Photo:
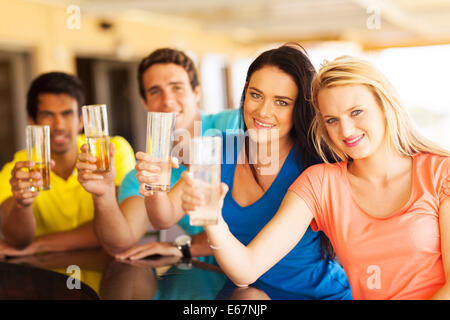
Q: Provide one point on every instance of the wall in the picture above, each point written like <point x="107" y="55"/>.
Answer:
<point x="42" y="29"/>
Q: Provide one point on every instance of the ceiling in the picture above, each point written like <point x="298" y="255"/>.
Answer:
<point x="373" y="24"/>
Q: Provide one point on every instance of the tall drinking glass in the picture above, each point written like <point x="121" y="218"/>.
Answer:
<point x="95" y="120"/>
<point x="206" y="159"/>
<point x="38" y="151"/>
<point x="160" y="127"/>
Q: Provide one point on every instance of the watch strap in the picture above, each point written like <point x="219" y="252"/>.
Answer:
<point x="186" y="251"/>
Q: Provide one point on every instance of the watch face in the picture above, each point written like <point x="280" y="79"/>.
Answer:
<point x="183" y="240"/>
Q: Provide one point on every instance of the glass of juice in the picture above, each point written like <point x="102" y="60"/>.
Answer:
<point x="95" y="118"/>
<point x="38" y="151"/>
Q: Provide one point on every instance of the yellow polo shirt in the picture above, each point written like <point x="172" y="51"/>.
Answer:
<point x="66" y="205"/>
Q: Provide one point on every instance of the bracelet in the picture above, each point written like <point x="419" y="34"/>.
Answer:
<point x="213" y="247"/>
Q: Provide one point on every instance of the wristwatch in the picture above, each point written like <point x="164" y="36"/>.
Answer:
<point x="183" y="243"/>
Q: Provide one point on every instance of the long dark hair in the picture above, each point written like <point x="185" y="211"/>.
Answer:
<point x="292" y="59"/>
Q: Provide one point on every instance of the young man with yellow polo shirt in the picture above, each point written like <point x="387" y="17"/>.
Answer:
<point x="61" y="218"/>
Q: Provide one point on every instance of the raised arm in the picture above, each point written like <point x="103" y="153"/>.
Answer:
<point x="16" y="213"/>
<point x="244" y="265"/>
<point x="117" y="228"/>
<point x="18" y="223"/>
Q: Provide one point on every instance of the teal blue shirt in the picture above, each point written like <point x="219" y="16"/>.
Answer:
<point x="226" y="120"/>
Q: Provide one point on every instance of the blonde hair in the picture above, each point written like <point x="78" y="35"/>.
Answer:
<point x="400" y="130"/>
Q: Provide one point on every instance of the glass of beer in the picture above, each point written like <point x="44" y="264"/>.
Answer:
<point x="95" y="120"/>
<point x="160" y="127"/>
<point x="38" y="151"/>
<point x="206" y="160"/>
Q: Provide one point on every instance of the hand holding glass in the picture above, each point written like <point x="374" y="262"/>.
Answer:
<point x="38" y="151"/>
<point x="206" y="159"/>
<point x="95" y="120"/>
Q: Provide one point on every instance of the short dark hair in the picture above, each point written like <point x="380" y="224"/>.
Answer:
<point x="167" y="55"/>
<point x="56" y="83"/>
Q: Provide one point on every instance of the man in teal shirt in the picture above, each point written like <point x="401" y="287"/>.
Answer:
<point x="168" y="82"/>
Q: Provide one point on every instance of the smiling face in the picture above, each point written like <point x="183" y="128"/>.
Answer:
<point x="60" y="112"/>
<point x="168" y="89"/>
<point x="269" y="104"/>
<point x="353" y="119"/>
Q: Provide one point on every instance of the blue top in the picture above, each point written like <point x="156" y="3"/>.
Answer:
<point x="301" y="273"/>
<point x="226" y="120"/>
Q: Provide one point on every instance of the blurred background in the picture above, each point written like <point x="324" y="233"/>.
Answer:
<point x="102" y="41"/>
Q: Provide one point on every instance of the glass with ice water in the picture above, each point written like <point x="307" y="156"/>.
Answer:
<point x="95" y="120"/>
<point x="160" y="127"/>
<point x="38" y="151"/>
<point x="206" y="160"/>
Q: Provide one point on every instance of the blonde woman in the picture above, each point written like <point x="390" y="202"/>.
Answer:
<point x="382" y="205"/>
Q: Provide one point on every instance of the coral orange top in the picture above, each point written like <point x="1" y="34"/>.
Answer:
<point x="398" y="257"/>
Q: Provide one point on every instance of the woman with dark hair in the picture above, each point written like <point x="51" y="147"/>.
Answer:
<point x="277" y="113"/>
